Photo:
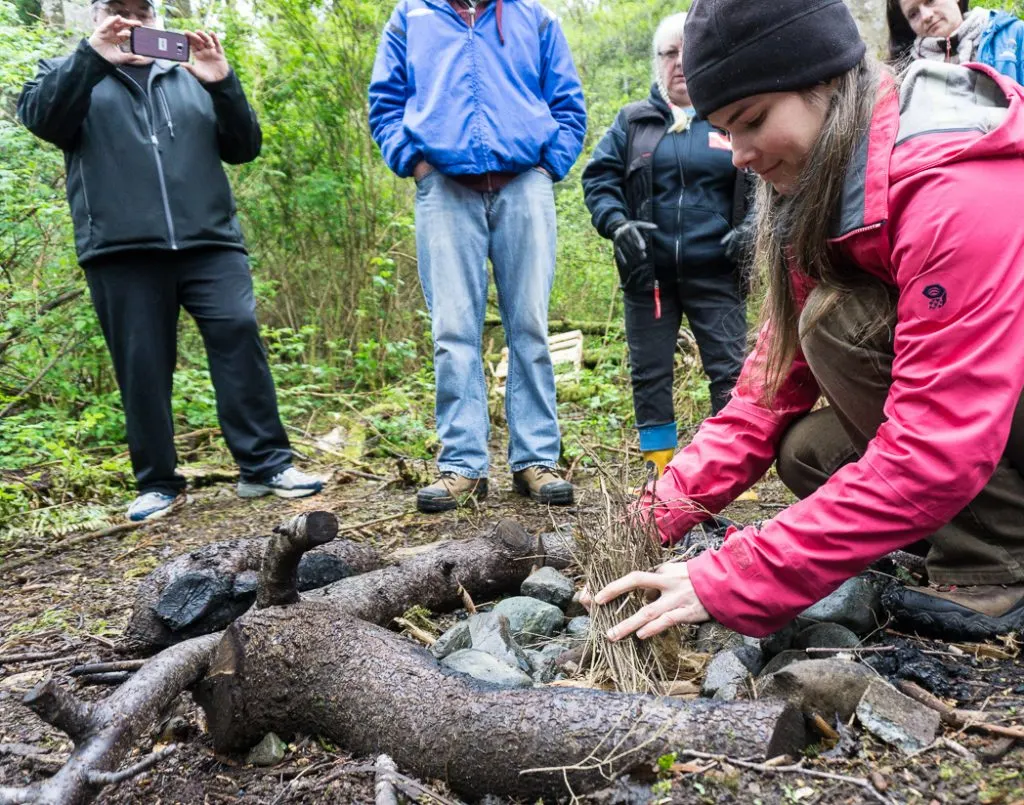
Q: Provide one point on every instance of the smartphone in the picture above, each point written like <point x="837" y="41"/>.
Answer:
<point x="158" y="44"/>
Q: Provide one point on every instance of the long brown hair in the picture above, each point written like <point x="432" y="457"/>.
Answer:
<point x="793" y="230"/>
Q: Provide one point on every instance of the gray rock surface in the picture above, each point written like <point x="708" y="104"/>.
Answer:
<point x="725" y="674"/>
<point x="454" y="639"/>
<point x="544" y="666"/>
<point x="712" y="638"/>
<point x="751" y="656"/>
<point x="782" y="659"/>
<point x="548" y="585"/>
<point x="489" y="632"/>
<point x="578" y="628"/>
<point x="483" y="666"/>
<point x="826" y="687"/>
<point x="530" y="620"/>
<point x="895" y="718"/>
<point x="268" y="752"/>
<point x="826" y="635"/>
<point x="855" y="605"/>
<point x="779" y="641"/>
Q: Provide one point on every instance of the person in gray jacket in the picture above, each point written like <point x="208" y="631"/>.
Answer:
<point x="156" y="230"/>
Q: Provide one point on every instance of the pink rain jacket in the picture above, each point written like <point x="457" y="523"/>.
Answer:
<point x="933" y="204"/>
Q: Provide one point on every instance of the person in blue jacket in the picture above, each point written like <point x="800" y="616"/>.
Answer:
<point x="662" y="186"/>
<point x="944" y="30"/>
<point x="479" y="101"/>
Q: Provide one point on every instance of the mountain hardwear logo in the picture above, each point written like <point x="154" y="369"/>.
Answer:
<point x="936" y="296"/>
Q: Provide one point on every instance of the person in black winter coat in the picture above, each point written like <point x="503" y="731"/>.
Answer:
<point x="662" y="186"/>
<point x="156" y="230"/>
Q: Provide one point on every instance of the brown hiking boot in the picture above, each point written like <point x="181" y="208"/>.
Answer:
<point x="450" y="491"/>
<point x="544" y="485"/>
<point x="958" y="613"/>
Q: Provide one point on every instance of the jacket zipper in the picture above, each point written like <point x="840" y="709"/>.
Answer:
<point x="150" y="117"/>
<point x="167" y="110"/>
<point x="679" y="206"/>
<point x="85" y="193"/>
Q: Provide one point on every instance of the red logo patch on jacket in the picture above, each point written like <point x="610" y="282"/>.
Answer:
<point x="718" y="140"/>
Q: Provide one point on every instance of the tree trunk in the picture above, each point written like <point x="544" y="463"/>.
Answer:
<point x="318" y="667"/>
<point x="870" y="16"/>
<point x="310" y="668"/>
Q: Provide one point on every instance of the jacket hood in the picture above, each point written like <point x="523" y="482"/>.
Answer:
<point x="940" y="114"/>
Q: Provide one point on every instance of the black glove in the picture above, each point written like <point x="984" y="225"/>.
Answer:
<point x="630" y="243"/>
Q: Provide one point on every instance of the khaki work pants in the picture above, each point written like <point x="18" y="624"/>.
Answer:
<point x="852" y="362"/>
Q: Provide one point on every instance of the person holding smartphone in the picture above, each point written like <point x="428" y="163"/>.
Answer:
<point x="156" y="230"/>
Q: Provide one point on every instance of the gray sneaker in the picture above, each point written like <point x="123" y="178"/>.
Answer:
<point x="289" y="483"/>
<point x="151" y="505"/>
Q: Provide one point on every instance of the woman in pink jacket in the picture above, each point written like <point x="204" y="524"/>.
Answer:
<point x="890" y="233"/>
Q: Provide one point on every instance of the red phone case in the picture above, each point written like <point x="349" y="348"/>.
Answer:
<point x="158" y="44"/>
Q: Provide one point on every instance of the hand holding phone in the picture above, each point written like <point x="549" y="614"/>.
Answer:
<point x="159" y="44"/>
<point x="209" y="63"/>
<point x="109" y="38"/>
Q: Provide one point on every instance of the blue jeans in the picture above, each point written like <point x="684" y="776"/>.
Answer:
<point x="457" y="230"/>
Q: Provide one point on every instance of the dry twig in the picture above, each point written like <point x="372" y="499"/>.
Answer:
<point x="144" y="765"/>
<point x="425" y="637"/>
<point x="795" y="768"/>
<point x="952" y="716"/>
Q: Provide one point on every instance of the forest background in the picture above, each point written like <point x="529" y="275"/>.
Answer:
<point x="330" y="233"/>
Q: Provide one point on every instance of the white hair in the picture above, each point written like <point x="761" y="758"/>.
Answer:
<point x="669" y="29"/>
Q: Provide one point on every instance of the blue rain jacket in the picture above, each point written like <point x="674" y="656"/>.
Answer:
<point x="1002" y="45"/>
<point x="470" y="101"/>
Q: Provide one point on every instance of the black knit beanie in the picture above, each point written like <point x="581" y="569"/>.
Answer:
<point x="738" y="48"/>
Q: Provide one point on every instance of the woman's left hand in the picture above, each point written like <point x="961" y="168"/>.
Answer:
<point x="677" y="603"/>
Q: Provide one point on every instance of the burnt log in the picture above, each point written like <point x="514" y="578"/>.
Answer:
<point x="205" y="590"/>
<point x="319" y="666"/>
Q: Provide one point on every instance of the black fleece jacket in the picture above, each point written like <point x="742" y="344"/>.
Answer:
<point x="143" y="168"/>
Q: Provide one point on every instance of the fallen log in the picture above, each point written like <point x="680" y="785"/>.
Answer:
<point x="319" y="666"/>
<point x="485" y="567"/>
<point x="203" y="591"/>
<point x="310" y="668"/>
<point x="105" y="732"/>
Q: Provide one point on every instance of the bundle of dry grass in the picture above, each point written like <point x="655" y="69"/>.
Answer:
<point x="618" y="546"/>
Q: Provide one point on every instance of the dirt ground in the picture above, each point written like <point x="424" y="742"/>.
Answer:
<point x="74" y="604"/>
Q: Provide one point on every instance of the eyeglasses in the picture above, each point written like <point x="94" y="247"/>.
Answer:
<point x="670" y="55"/>
<point x="143" y="13"/>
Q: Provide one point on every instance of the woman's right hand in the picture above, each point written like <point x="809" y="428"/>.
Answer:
<point x="676" y="601"/>
<point x="630" y="243"/>
<point x="108" y="38"/>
